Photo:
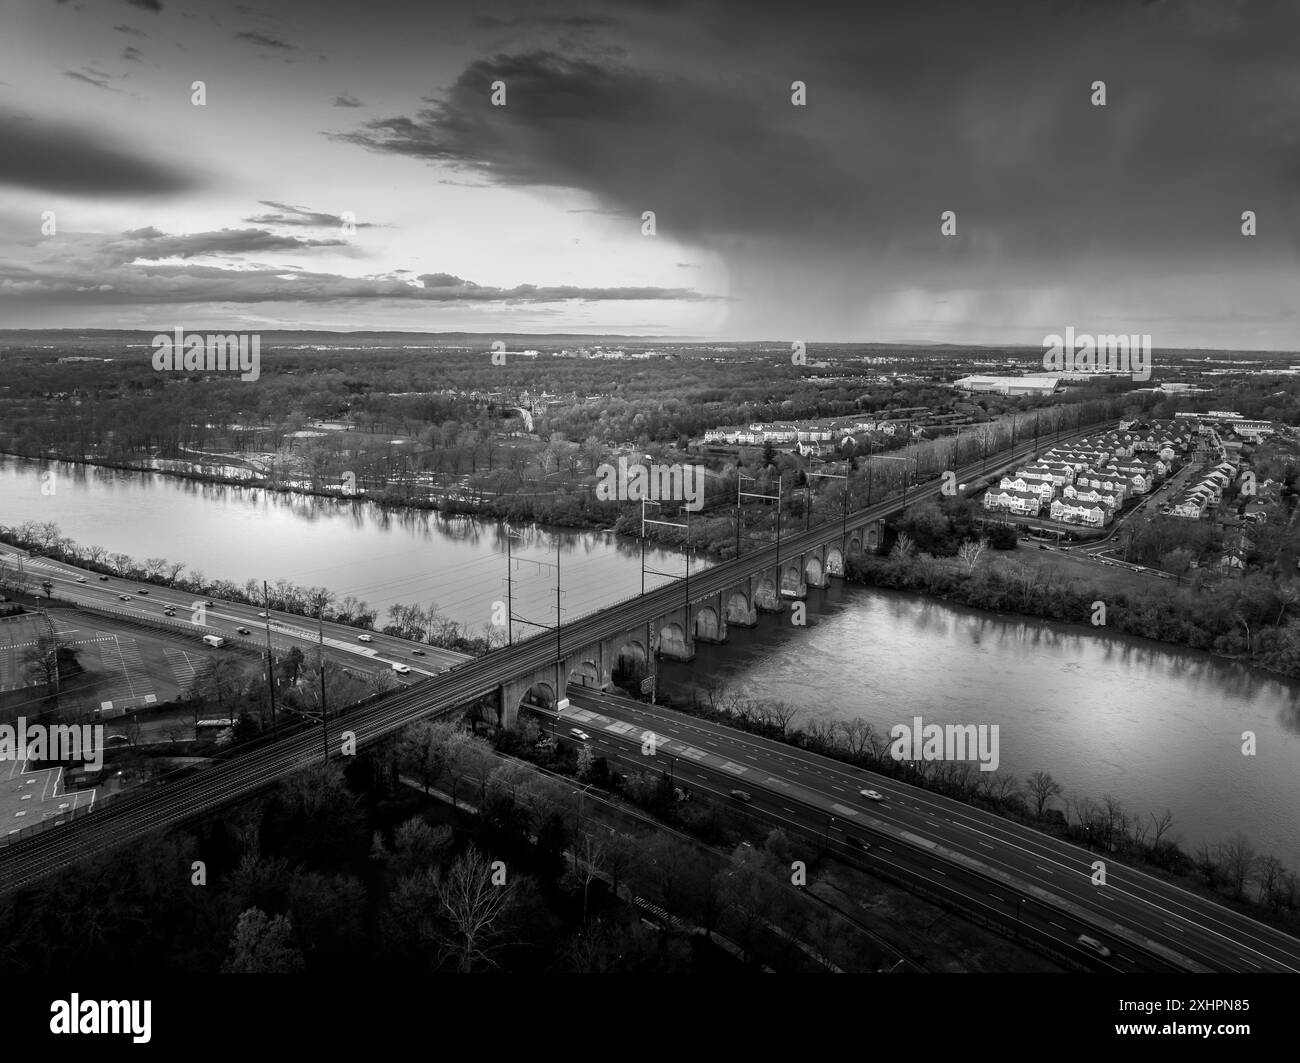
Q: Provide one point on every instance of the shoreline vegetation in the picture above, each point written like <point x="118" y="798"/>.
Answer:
<point x="1241" y="620"/>
<point x="1222" y="871"/>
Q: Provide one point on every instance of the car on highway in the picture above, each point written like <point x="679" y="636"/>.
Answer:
<point x="1092" y="943"/>
<point x="741" y="795"/>
<point x="169" y="611"/>
<point x="103" y="579"/>
<point x="242" y="631"/>
<point x="209" y="602"/>
<point x="123" y="597"/>
<point x="417" y="653"/>
<point x="871" y="795"/>
<point x="81" y="579"/>
<point x="141" y="590"/>
<point x="364" y="638"/>
<point x="857" y="843"/>
<point x="401" y="669"/>
<point x="579" y="734"/>
<point x="263" y="616"/>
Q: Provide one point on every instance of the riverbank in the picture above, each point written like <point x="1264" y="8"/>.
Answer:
<point x="1238" y="620"/>
<point x="1222" y="871"/>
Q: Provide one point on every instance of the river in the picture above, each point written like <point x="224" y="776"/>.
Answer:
<point x="1156" y="726"/>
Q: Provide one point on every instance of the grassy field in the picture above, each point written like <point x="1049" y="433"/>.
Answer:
<point x="1067" y="567"/>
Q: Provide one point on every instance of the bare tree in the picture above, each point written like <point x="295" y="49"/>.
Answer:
<point x="589" y="850"/>
<point x="1159" y="826"/>
<point x="1042" y="788"/>
<point x="1238" y="860"/>
<point x="858" y="734"/>
<point x="1270" y="874"/>
<point x="970" y="551"/>
<point x="474" y="900"/>
<point x="903" y="547"/>
<point x="780" y="714"/>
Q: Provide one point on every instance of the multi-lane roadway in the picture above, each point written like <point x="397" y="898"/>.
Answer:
<point x="991" y="866"/>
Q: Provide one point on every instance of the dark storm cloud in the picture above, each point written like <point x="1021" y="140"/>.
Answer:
<point x="131" y="54"/>
<point x="131" y="30"/>
<point x="912" y="110"/>
<point x="291" y="215"/>
<point x="150" y="243"/>
<point x="346" y="100"/>
<point x="68" y="160"/>
<point x="266" y="42"/>
<point x="146" y="5"/>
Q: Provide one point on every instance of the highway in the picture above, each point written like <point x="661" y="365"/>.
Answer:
<point x="984" y="861"/>
<point x="149" y="601"/>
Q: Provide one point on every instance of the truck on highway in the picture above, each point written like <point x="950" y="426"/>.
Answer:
<point x="215" y="641"/>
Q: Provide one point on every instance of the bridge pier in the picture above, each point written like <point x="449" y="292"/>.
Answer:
<point x="740" y="610"/>
<point x="675" y="640"/>
<point x="766" y="597"/>
<point x="710" y="620"/>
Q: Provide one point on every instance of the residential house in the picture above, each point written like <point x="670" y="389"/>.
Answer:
<point x="1042" y="486"/>
<point x="1092" y="494"/>
<point x="1075" y="511"/>
<point x="1023" y="503"/>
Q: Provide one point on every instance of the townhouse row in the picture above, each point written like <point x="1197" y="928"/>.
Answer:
<point x="1203" y="491"/>
<point x="1087" y="480"/>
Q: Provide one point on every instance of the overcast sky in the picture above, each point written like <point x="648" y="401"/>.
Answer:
<point x="773" y="221"/>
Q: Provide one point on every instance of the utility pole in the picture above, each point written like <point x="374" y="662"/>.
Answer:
<point x="558" y="593"/>
<point x="320" y="642"/>
<point x="270" y="661"/>
<point x="739" y="476"/>
<point x="844" y="525"/>
<point x="668" y="524"/>
<point x="510" y="597"/>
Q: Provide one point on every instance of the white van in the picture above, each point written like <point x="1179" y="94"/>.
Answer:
<point x="214" y="641"/>
<point x="401" y="669"/>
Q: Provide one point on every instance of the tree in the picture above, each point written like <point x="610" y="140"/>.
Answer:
<point x="219" y="679"/>
<point x="586" y="762"/>
<point x="903" y="547"/>
<point x="1177" y="561"/>
<point x="262" y="945"/>
<point x="1042" y="788"/>
<point x="1159" y="826"/>
<point x="751" y="899"/>
<point x="970" y="551"/>
<point x="474" y="905"/>
<point x="1237" y="860"/>
<point x="1271" y="876"/>
<point x="421" y="751"/>
<point x="418" y="846"/>
<point x="588" y="862"/>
